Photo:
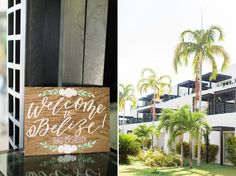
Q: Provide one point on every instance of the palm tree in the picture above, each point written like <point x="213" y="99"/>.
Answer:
<point x="203" y="46"/>
<point x="144" y="133"/>
<point x="190" y="122"/>
<point x="166" y="122"/>
<point x="150" y="81"/>
<point x="126" y="94"/>
<point x="178" y="122"/>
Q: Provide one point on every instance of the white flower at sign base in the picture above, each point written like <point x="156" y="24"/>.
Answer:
<point x="67" y="148"/>
<point x="68" y="92"/>
<point x="61" y="149"/>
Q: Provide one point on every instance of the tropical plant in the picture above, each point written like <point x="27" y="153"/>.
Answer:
<point x="184" y="121"/>
<point x="126" y="94"/>
<point x="165" y="122"/>
<point x="231" y="149"/>
<point x="212" y="152"/>
<point x="189" y="122"/>
<point x="150" y="81"/>
<point x="203" y="46"/>
<point x="144" y="134"/>
<point x="157" y="158"/>
<point x="128" y="146"/>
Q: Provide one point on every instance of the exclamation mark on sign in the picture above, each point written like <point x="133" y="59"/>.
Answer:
<point x="103" y="122"/>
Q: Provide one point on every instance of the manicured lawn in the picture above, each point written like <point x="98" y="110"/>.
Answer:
<point x="137" y="169"/>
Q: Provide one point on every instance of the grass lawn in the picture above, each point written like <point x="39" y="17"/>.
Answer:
<point x="137" y="169"/>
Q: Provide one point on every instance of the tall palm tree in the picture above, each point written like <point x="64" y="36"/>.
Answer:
<point x="203" y="46"/>
<point x="126" y="94"/>
<point x="150" y="81"/>
<point x="166" y="122"/>
<point x="144" y="133"/>
<point x="190" y="122"/>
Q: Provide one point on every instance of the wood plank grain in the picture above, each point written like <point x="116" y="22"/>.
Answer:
<point x="65" y="122"/>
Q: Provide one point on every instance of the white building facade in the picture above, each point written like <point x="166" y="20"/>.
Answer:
<point x="218" y="99"/>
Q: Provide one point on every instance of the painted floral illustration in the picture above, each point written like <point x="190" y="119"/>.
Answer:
<point x="67" y="92"/>
<point x="67" y="148"/>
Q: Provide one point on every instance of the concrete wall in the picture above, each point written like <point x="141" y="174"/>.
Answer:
<point x="228" y="119"/>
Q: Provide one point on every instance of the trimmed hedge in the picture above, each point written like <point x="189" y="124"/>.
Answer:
<point x="185" y="147"/>
<point x="231" y="149"/>
<point x="213" y="150"/>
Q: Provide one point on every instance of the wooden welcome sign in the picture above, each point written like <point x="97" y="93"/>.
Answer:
<point x="62" y="120"/>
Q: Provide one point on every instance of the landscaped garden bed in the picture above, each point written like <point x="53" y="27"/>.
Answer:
<point x="138" y="169"/>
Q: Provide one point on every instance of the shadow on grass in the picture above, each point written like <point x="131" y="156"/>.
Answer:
<point x="137" y="169"/>
<point x="166" y="171"/>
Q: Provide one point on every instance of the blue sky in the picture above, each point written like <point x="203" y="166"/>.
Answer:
<point x="148" y="31"/>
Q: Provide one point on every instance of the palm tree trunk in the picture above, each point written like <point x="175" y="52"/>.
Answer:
<point x="200" y="87"/>
<point x="190" y="152"/>
<point x="153" y="116"/>
<point x="200" y="107"/>
<point x="199" y="149"/>
<point x="124" y="119"/>
<point x="181" y="151"/>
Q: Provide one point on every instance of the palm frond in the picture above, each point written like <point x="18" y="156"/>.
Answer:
<point x="220" y="51"/>
<point x="218" y="29"/>
<point x="212" y="61"/>
<point x="126" y="93"/>
<point x="150" y="81"/>
<point x="186" y="34"/>
<point x="183" y="52"/>
<point x="202" y="45"/>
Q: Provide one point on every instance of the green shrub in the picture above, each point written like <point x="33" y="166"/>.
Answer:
<point x="185" y="147"/>
<point x="128" y="146"/>
<point x="144" y="134"/>
<point x="144" y="143"/>
<point x="156" y="158"/>
<point x="231" y="149"/>
<point x="213" y="150"/>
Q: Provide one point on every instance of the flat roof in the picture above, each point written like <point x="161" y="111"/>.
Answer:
<point x="150" y="97"/>
<point x="223" y="128"/>
<point x="148" y="110"/>
<point x="147" y="98"/>
<point x="219" y="77"/>
<point x="190" y="84"/>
